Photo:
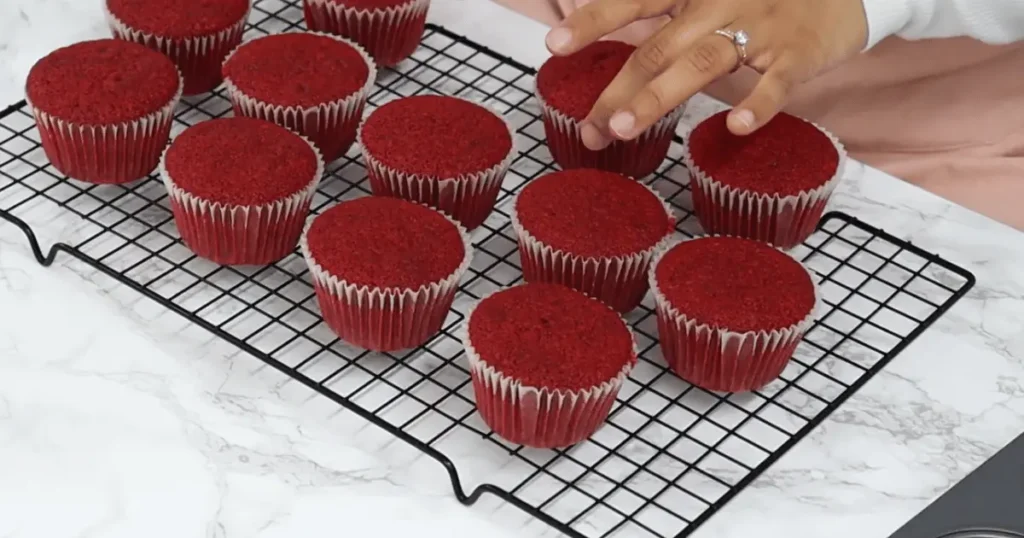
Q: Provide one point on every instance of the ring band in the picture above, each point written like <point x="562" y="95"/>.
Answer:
<point x="739" y="40"/>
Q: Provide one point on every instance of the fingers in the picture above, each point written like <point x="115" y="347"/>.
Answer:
<point x="768" y="97"/>
<point x="707" y="59"/>
<point x="600" y="18"/>
<point x="643" y="65"/>
<point x="649" y="61"/>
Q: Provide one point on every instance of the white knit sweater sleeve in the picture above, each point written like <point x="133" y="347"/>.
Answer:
<point x="991" y="21"/>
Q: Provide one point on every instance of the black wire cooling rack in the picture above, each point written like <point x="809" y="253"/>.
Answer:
<point x="671" y="454"/>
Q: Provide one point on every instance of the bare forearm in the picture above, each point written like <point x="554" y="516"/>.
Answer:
<point x="548" y="12"/>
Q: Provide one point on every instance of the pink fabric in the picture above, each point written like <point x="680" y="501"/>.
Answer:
<point x="945" y="114"/>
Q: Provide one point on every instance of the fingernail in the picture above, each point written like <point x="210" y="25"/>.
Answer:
<point x="559" y="39"/>
<point x="622" y="123"/>
<point x="592" y="137"/>
<point x="742" y="120"/>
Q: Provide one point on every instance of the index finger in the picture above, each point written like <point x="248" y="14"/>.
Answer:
<point x="598" y="19"/>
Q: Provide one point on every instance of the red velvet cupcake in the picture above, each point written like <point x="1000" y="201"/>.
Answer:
<point x="196" y="34"/>
<point x="547" y="363"/>
<point x="104" y="109"/>
<point x="314" y="84"/>
<point x="446" y="152"/>
<point x="390" y="30"/>
<point x="568" y="87"/>
<point x="240" y="189"/>
<point x="592" y="231"/>
<point x="731" y="311"/>
<point x="772" y="185"/>
<point x="385" y="270"/>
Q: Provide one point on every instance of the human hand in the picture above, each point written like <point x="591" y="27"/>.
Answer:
<point x="790" y="41"/>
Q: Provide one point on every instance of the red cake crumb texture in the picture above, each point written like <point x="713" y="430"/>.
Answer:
<point x="785" y="157"/>
<point x="436" y="136"/>
<point x="549" y="336"/>
<point x="385" y="242"/>
<point x="371" y="4"/>
<point x="102" y="82"/>
<point x="735" y="284"/>
<point x="297" y="69"/>
<point x="571" y="84"/>
<point x="592" y="213"/>
<point x="179" y="18"/>
<point x="240" y="161"/>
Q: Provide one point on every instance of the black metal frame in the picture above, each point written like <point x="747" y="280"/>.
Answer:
<point x="698" y="449"/>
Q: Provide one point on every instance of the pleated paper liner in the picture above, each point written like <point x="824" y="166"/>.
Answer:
<point x="721" y="360"/>
<point x="389" y="34"/>
<point x="782" y="221"/>
<point x="469" y="198"/>
<point x="539" y="417"/>
<point x="618" y="281"/>
<point x="107" y="154"/>
<point x="636" y="158"/>
<point x="230" y="234"/>
<point x="385" y="319"/>
<point x="331" y="125"/>
<point x="198" y="58"/>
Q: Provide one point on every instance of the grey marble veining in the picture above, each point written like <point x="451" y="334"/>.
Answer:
<point x="113" y="410"/>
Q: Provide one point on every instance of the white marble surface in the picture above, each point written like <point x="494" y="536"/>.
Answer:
<point x="117" y="419"/>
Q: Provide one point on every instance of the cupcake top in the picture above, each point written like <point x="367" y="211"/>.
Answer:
<point x="384" y="242"/>
<point x="547" y="335"/>
<point x="571" y="84"/>
<point x="297" y="69"/>
<point x="785" y="157"/>
<point x="737" y="284"/>
<point x="436" y="136"/>
<point x="592" y="213"/>
<point x="179" y="18"/>
<point x="102" y="82"/>
<point x="371" y="4"/>
<point x="240" y="161"/>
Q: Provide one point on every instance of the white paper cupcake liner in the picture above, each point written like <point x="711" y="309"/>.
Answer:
<point x="384" y="319"/>
<point x="468" y="198"/>
<point x="198" y="58"/>
<point x="231" y="234"/>
<point x="539" y="417"/>
<point x="618" y="281"/>
<point x="721" y="360"/>
<point x="390" y="35"/>
<point x="636" y="158"/>
<point x="782" y="221"/>
<point x="107" y="154"/>
<point x="331" y="126"/>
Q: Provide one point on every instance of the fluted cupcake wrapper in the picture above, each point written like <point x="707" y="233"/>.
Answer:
<point x="468" y="198"/>
<point x="636" y="158"/>
<point x="618" y="281"/>
<point x="331" y="126"/>
<point x="231" y="234"/>
<point x="718" y="359"/>
<point x="198" y="58"/>
<point x="782" y="221"/>
<point x="384" y="319"/>
<point x="390" y="34"/>
<point x="539" y="417"/>
<point x="107" y="154"/>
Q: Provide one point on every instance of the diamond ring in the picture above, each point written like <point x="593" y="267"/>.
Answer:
<point x="739" y="40"/>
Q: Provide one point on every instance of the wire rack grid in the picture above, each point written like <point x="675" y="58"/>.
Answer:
<point x="670" y="455"/>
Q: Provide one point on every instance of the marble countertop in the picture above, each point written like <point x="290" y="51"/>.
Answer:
<point x="119" y="419"/>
